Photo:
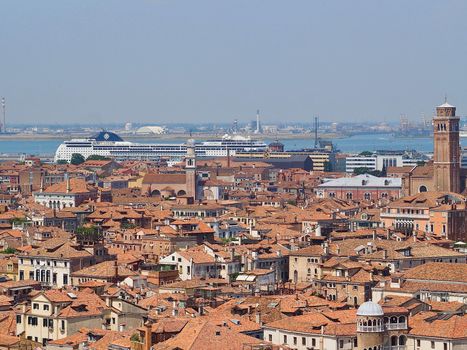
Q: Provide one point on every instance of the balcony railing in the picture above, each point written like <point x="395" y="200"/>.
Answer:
<point x="370" y="328"/>
<point x="395" y="347"/>
<point x="391" y="326"/>
<point x="405" y="216"/>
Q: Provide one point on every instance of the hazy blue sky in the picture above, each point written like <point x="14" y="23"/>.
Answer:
<point x="213" y="60"/>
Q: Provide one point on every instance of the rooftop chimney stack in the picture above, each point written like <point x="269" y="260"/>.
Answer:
<point x="148" y="335"/>
<point x="258" y="317"/>
<point x="68" y="184"/>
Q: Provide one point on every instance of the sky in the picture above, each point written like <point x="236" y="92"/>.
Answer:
<point x="162" y="61"/>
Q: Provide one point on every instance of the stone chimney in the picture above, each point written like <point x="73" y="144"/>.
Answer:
<point x="232" y="254"/>
<point x="148" y="335"/>
<point x="325" y="248"/>
<point x="374" y="235"/>
<point x="258" y="317"/>
<point x="385" y="254"/>
<point x="116" y="270"/>
<point x="68" y="185"/>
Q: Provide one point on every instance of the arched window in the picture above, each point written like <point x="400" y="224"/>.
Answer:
<point x="402" y="319"/>
<point x="422" y="188"/>
<point x="348" y="195"/>
<point x="402" y="340"/>
<point x="367" y="196"/>
<point x="394" y="340"/>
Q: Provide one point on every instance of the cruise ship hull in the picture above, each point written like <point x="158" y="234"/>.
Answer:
<point x="122" y="150"/>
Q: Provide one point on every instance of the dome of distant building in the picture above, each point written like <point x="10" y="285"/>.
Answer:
<point x="107" y="136"/>
<point x="157" y="130"/>
<point x="370" y="308"/>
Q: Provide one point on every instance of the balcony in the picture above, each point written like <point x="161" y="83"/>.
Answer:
<point x="393" y="326"/>
<point x="370" y="328"/>
<point x="395" y="347"/>
<point x="405" y="216"/>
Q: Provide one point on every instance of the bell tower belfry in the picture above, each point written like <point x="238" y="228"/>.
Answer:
<point x="446" y="149"/>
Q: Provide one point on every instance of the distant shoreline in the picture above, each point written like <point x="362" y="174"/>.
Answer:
<point x="283" y="136"/>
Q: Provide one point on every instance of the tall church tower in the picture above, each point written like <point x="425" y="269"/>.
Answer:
<point x="190" y="168"/>
<point x="446" y="152"/>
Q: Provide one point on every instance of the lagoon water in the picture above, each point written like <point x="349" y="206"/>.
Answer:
<point x="352" y="144"/>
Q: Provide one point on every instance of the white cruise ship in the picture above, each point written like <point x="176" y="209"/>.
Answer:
<point x="111" y="145"/>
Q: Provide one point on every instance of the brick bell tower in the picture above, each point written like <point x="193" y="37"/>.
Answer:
<point x="446" y="152"/>
<point x="190" y="168"/>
